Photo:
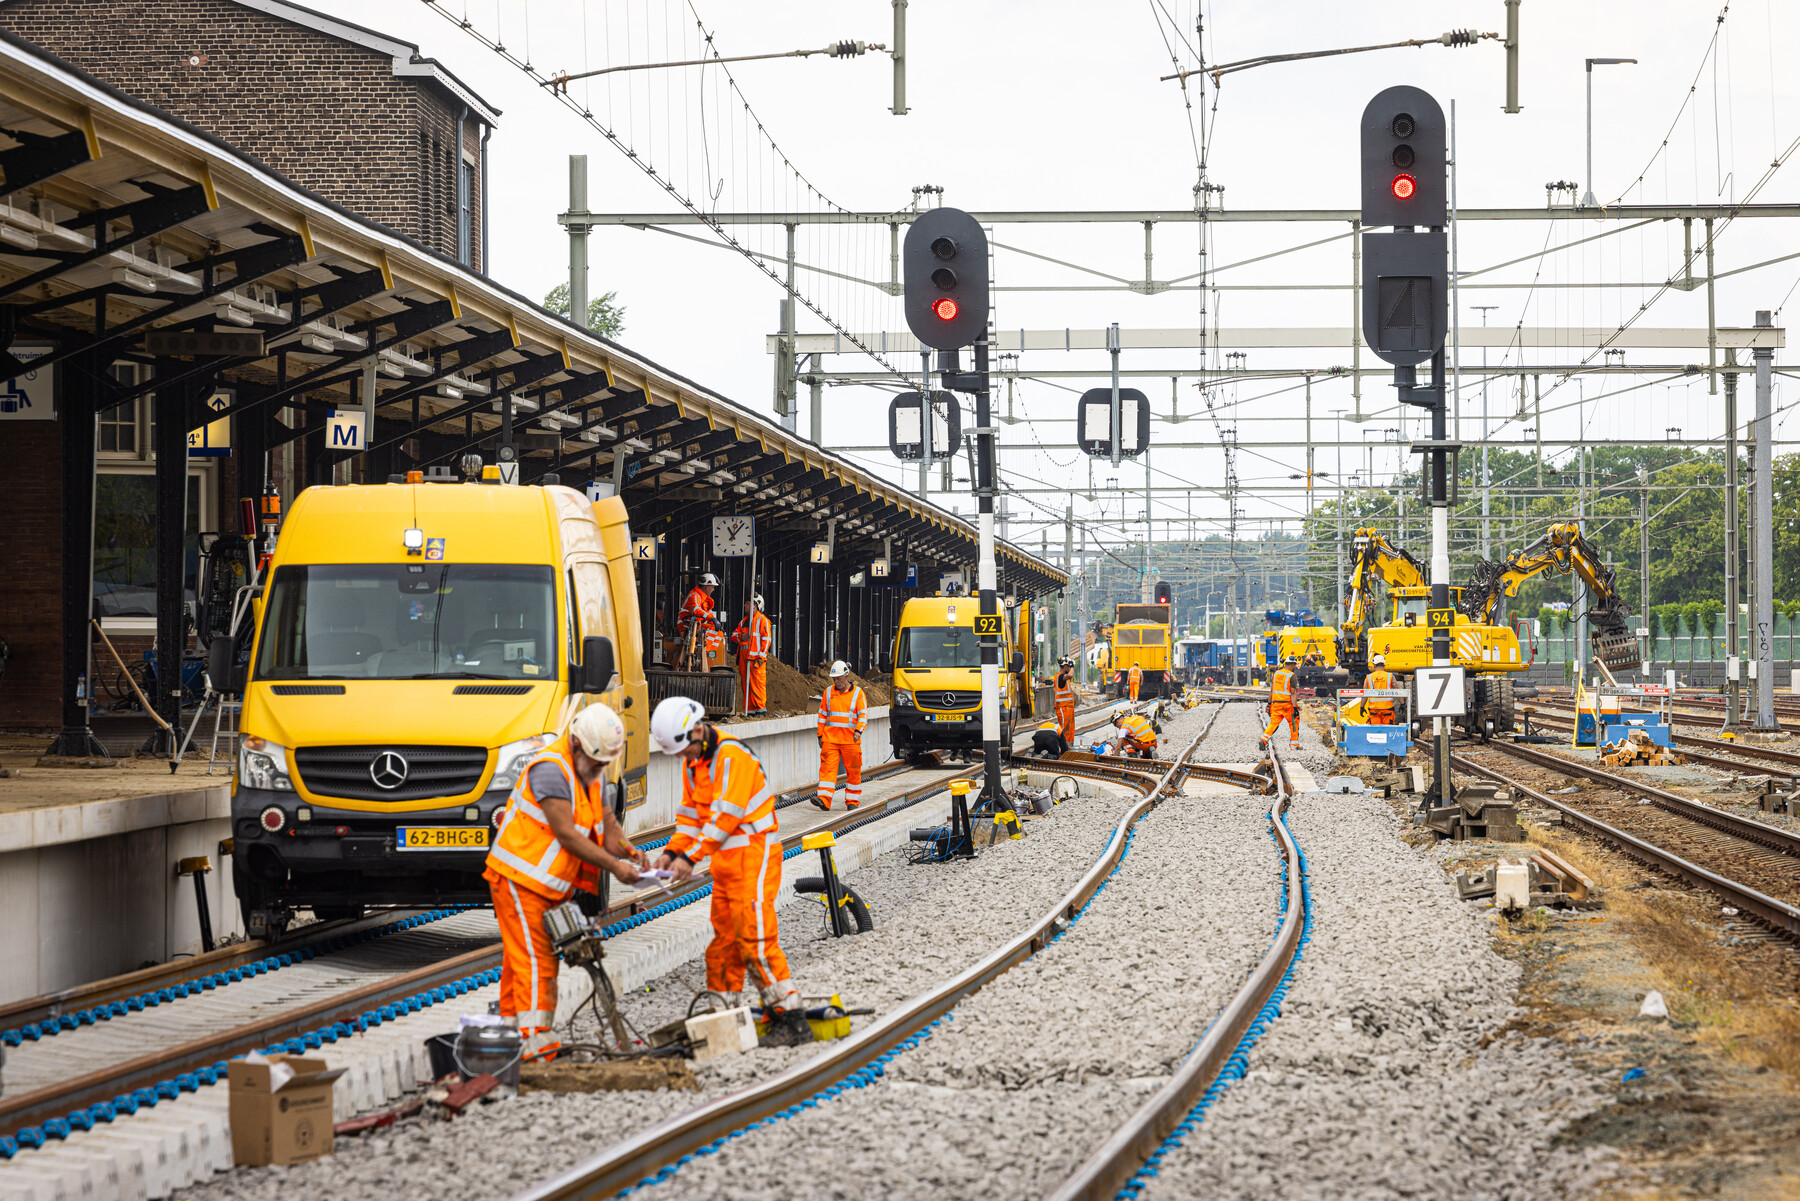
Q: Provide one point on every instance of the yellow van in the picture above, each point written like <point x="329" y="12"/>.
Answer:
<point x="416" y="644"/>
<point x="937" y="678"/>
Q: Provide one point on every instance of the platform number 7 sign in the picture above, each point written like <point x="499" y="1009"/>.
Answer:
<point x="1440" y="691"/>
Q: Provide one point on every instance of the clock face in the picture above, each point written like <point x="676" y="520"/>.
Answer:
<point x="733" y="536"/>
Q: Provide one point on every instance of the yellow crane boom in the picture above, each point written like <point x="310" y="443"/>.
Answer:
<point x="1562" y="549"/>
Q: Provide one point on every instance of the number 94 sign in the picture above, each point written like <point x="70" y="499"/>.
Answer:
<point x="1440" y="692"/>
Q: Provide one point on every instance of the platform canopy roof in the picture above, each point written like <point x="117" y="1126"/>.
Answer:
<point x="118" y="220"/>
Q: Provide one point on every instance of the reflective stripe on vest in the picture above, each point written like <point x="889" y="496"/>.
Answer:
<point x="731" y="786"/>
<point x="843" y="710"/>
<point x="1281" y="687"/>
<point x="525" y="849"/>
<point x="1065" y="695"/>
<point x="1139" y="729"/>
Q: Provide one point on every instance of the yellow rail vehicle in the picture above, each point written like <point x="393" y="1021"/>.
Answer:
<point x="415" y="645"/>
<point x="1142" y="636"/>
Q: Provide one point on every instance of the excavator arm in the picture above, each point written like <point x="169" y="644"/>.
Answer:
<point x="1376" y="559"/>
<point x="1563" y="550"/>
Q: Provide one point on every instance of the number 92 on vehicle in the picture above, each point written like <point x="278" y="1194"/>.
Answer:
<point x="441" y="838"/>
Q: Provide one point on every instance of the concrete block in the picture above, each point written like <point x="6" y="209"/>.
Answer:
<point x="150" y="1146"/>
<point x="46" y="1183"/>
<point x="1512" y="885"/>
<point x="716" y="1035"/>
<point x="119" y="1176"/>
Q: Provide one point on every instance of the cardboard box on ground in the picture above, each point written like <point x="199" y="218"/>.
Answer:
<point x="280" y="1109"/>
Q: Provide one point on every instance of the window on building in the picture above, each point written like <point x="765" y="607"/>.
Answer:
<point x="119" y="429"/>
<point x="465" y="211"/>
<point x="125" y="542"/>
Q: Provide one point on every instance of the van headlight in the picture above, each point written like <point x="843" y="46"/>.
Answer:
<point x="514" y="756"/>
<point x="263" y="764"/>
<point x="903" y="698"/>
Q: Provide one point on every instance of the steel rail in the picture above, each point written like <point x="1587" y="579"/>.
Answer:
<point x="1778" y="915"/>
<point x="1730" y="823"/>
<point x="39" y="1105"/>
<point x="1125" y="1151"/>
<point x="649" y="1151"/>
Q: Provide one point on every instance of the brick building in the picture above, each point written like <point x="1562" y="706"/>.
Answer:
<point x="357" y="116"/>
<point x="363" y="119"/>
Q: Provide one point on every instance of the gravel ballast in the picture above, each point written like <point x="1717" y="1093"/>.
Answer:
<point x="930" y="922"/>
<point x="1032" y="1073"/>
<point x="1373" y="1082"/>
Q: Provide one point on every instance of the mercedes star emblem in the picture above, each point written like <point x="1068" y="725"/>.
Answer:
<point x="389" y="769"/>
<point x="949" y="700"/>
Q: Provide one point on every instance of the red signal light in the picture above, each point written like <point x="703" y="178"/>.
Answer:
<point x="1404" y="187"/>
<point x="944" y="308"/>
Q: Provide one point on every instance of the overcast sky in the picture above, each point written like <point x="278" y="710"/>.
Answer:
<point x="1057" y="106"/>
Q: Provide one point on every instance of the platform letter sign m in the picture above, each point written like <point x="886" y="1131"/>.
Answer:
<point x="344" y="431"/>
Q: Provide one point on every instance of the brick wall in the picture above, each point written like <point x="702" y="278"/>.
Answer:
<point x="326" y="113"/>
<point x="31" y="597"/>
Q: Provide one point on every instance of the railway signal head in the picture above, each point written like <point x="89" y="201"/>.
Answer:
<point x="1404" y="159"/>
<point x="946" y="278"/>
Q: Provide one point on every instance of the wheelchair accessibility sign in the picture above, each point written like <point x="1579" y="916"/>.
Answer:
<point x="31" y="395"/>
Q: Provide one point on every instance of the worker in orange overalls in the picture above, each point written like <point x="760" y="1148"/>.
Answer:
<point x="1137" y="734"/>
<point x="727" y="813"/>
<point x="1065" y="699"/>
<point x="843" y="715"/>
<point x="1282" y="705"/>
<point x="1380" y="709"/>
<point x="753" y="638"/>
<point x="557" y="834"/>
<point x="1135" y="680"/>
<point x="699" y="604"/>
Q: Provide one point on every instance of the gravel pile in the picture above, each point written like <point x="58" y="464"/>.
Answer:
<point x="1373" y="1083"/>
<point x="1031" y="1074"/>
<point x="930" y="922"/>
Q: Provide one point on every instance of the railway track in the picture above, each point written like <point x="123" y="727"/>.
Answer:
<point x="653" y="1154"/>
<point x="1778" y="915"/>
<point x="332" y="987"/>
<point x="1733" y="756"/>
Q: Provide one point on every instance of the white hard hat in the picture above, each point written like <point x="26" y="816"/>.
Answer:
<point x="670" y="723"/>
<point x="757" y="600"/>
<point x="709" y="578"/>
<point x="839" y="668"/>
<point x="1377" y="660"/>
<point x="598" y="731"/>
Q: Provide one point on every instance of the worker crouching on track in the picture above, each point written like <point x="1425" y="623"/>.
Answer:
<point x="546" y="848"/>
<point x="727" y="813"/>
<point x="1134" y="680"/>
<point x="1047" y="740"/>
<point x="1065" y="699"/>
<point x="843" y="715"/>
<point x="1282" y="705"/>
<point x="1137" y="735"/>
<point x="1379" y="709"/>
<point x="753" y="638"/>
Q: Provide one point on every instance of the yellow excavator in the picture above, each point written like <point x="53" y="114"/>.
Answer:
<point x="1487" y="653"/>
<point x="1562" y="549"/>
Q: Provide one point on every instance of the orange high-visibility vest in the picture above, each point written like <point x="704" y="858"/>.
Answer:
<point x="754" y="636"/>
<point x="1137" y="674"/>
<point x="1139" y="730"/>
<point x="697" y="604"/>
<point x="842" y="715"/>
<point x="525" y="849"/>
<point x="1281" y="687"/>
<point x="725" y="801"/>
<point x="1379" y="678"/>
<point x="1065" y="693"/>
<point x="1052" y="724"/>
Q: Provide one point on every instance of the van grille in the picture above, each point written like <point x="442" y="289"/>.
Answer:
<point x="419" y="772"/>
<point x="947" y="699"/>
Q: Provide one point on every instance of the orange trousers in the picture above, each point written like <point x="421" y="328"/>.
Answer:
<point x="1381" y="717"/>
<point x="1131" y="746"/>
<point x="1134" y="685"/>
<point x="1289" y="714"/>
<point x="753" y="678"/>
<point x="1065" y="717"/>
<point x="850" y="754"/>
<point x="745" y="935"/>
<point x="528" y="965"/>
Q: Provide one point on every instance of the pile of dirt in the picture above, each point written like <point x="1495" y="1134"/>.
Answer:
<point x="791" y="693"/>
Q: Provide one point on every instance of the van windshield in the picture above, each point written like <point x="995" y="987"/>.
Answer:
<point x="410" y="622"/>
<point x="926" y="647"/>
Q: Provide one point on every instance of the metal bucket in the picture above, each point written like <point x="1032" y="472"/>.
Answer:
<point x="490" y="1050"/>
